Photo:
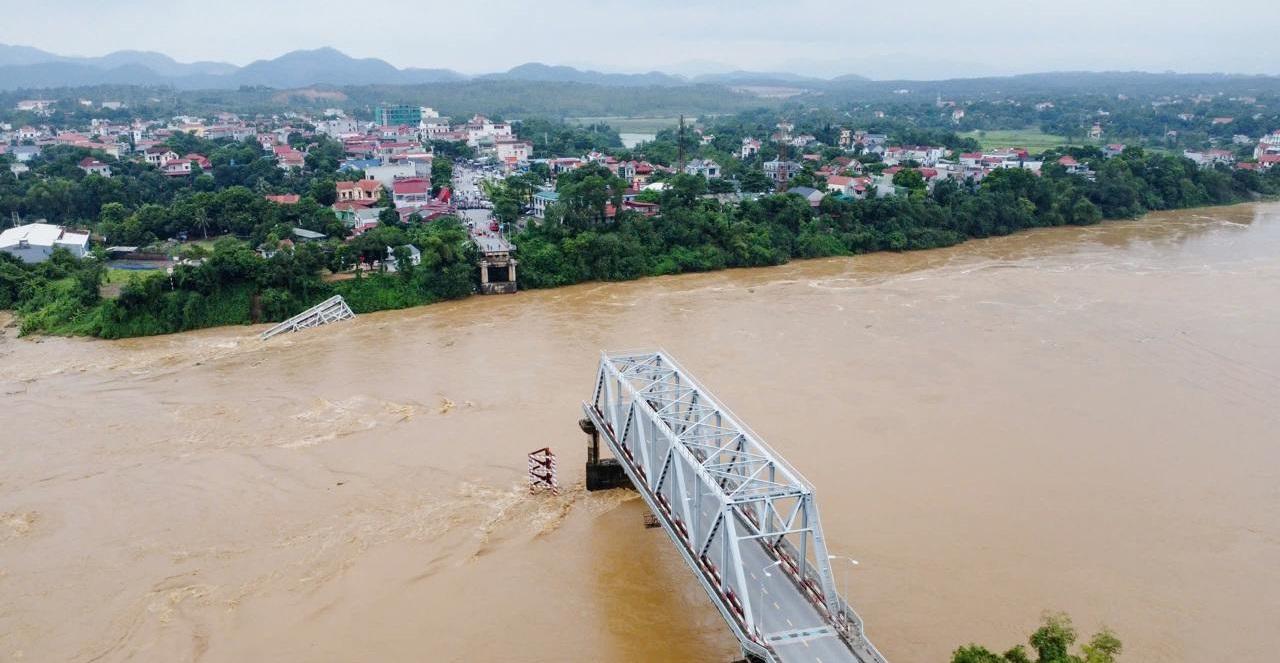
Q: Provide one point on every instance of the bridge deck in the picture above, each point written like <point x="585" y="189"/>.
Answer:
<point x="792" y="626"/>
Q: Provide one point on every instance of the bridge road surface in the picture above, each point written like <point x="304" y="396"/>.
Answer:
<point x="791" y="624"/>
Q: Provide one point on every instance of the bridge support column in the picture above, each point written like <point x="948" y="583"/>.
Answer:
<point x="602" y="474"/>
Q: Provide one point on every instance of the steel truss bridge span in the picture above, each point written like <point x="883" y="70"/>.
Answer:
<point x="743" y="519"/>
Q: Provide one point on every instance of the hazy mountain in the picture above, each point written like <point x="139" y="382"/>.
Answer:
<point x="23" y="55"/>
<point x="158" y="63"/>
<point x="323" y="65"/>
<point x="26" y="67"/>
<point x="759" y="78"/>
<point x="536" y="71"/>
<point x="71" y="74"/>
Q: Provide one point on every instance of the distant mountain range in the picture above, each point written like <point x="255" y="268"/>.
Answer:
<point x="26" y="67"/>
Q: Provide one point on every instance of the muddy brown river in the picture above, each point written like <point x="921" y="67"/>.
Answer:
<point x="1070" y="419"/>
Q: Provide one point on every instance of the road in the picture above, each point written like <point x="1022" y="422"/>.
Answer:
<point x="466" y="185"/>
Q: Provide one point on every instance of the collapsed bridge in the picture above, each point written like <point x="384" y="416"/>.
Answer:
<point x="742" y="518"/>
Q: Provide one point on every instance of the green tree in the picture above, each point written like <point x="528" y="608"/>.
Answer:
<point x="1052" y="643"/>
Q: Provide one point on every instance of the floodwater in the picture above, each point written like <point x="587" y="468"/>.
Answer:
<point x="1078" y="419"/>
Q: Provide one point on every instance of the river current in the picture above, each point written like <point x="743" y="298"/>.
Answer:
<point x="1077" y="419"/>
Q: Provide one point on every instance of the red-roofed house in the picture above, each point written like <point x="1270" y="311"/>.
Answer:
<point x="287" y="157"/>
<point x="1073" y="167"/>
<point x="841" y="184"/>
<point x="199" y="160"/>
<point x="92" y="166"/>
<point x="285" y="199"/>
<point x="410" y="190"/>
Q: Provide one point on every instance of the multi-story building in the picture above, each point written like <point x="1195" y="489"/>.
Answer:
<point x="393" y="115"/>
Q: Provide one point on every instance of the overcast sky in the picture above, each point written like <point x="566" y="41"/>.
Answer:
<point x="916" y="39"/>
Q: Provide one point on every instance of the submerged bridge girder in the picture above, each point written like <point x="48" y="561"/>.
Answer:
<point x="743" y="519"/>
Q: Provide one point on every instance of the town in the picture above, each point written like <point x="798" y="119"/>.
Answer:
<point x="365" y="194"/>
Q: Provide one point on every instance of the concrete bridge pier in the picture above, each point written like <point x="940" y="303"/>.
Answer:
<point x="602" y="474"/>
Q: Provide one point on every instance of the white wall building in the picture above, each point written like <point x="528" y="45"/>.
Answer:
<point x="387" y="173"/>
<point x="35" y="242"/>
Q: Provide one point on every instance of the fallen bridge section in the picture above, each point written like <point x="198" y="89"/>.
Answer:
<point x="742" y="518"/>
<point x="332" y="309"/>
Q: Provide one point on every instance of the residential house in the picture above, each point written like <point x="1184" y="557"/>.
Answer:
<point x="388" y="173"/>
<point x="92" y="166"/>
<point x="1113" y="150"/>
<point x="159" y="156"/>
<point x="1073" y="166"/>
<point x="704" y="167"/>
<point x="925" y="155"/>
<point x="25" y="153"/>
<point x="641" y="171"/>
<point x="288" y="158"/>
<point x="750" y="148"/>
<point x="410" y="190"/>
<point x="357" y="216"/>
<point x="483" y="130"/>
<point x="542" y="200"/>
<point x="35" y="242"/>
<point x="305" y="235"/>
<point x="780" y="171"/>
<point x="199" y="160"/>
<point x="415" y="257"/>
<point x="363" y="190"/>
<point x="178" y="168"/>
<point x="512" y="151"/>
<point x="870" y="143"/>
<point x="813" y="196"/>
<point x="1210" y="158"/>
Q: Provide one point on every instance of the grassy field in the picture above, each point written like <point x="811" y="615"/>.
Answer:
<point x="1031" y="139"/>
<point x="122" y="276"/>
<point x="639" y="125"/>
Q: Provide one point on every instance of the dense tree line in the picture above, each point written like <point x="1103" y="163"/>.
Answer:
<point x="694" y="233"/>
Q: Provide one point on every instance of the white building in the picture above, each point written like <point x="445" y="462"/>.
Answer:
<point x="483" y="130"/>
<point x="35" y="242"/>
<point x="706" y="168"/>
<point x="388" y="173"/>
<point x="513" y="151"/>
<point x="542" y="200"/>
